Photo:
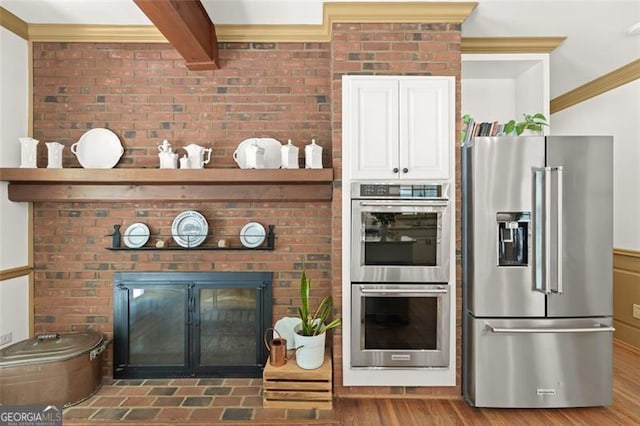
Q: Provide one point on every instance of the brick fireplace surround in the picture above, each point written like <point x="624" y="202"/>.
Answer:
<point x="144" y="93"/>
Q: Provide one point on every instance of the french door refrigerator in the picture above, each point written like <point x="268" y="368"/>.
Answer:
<point x="537" y="271"/>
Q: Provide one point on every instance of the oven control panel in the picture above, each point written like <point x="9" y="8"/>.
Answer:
<point x="376" y="190"/>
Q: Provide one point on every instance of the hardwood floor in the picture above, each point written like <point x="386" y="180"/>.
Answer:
<point x="625" y="409"/>
<point x="239" y="401"/>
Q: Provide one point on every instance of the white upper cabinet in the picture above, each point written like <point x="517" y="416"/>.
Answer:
<point x="398" y="127"/>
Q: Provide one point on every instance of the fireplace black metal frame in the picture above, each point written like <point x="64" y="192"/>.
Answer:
<point x="125" y="282"/>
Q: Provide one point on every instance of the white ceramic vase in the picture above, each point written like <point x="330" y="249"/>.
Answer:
<point x="28" y="152"/>
<point x="289" y="156"/>
<point x="54" y="155"/>
<point x="313" y="155"/>
<point x="309" y="350"/>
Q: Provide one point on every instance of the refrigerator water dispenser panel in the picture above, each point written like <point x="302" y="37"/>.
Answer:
<point x="513" y="238"/>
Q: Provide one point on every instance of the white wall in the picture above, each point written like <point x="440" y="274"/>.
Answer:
<point x="14" y="308"/>
<point x="615" y="113"/>
<point x="597" y="43"/>
<point x="14" y="244"/>
<point x="596" y="30"/>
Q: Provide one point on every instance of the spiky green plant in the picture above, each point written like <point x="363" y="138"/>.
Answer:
<point x="314" y="324"/>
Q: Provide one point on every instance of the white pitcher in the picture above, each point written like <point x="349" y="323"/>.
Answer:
<point x="168" y="158"/>
<point x="28" y="153"/>
<point x="54" y="155"/>
<point x="196" y="155"/>
<point x="255" y="156"/>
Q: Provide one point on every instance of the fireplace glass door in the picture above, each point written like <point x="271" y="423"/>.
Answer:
<point x="190" y="324"/>
<point x="224" y="315"/>
<point x="157" y="331"/>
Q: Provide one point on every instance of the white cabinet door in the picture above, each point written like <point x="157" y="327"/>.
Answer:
<point x="426" y="138"/>
<point x="398" y="127"/>
<point x="371" y="127"/>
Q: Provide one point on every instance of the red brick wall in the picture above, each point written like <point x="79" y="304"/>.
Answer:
<point x="144" y="94"/>
<point x="385" y="49"/>
<point x="74" y="270"/>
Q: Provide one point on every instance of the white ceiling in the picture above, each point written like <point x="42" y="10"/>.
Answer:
<point x="597" y="30"/>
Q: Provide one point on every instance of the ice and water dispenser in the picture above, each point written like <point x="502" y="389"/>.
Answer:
<point x="513" y="238"/>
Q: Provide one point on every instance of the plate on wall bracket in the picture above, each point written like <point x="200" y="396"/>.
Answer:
<point x="136" y="235"/>
<point x="189" y="229"/>
<point x="252" y="235"/>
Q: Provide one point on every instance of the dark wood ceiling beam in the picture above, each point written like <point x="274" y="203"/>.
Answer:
<point x="187" y="26"/>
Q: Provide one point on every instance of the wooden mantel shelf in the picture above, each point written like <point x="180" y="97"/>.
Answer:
<point x="129" y="184"/>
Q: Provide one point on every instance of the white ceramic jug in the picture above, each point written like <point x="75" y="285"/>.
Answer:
<point x="255" y="156"/>
<point x="313" y="155"/>
<point x="289" y="156"/>
<point x="196" y="155"/>
<point x="54" y="155"/>
<point x="28" y="152"/>
<point x="168" y="158"/>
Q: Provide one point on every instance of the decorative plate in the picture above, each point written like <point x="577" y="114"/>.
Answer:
<point x="136" y="235"/>
<point x="98" y="149"/>
<point x="189" y="229"/>
<point x="272" y="152"/>
<point x="252" y="235"/>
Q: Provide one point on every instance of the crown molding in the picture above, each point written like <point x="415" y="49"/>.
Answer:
<point x="428" y="12"/>
<point x="510" y="44"/>
<point x="366" y="12"/>
<point x="95" y="33"/>
<point x="14" y="24"/>
<point x="273" y="33"/>
<point x="609" y="81"/>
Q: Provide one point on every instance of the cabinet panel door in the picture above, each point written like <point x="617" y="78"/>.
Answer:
<point x="426" y="135"/>
<point x="371" y="130"/>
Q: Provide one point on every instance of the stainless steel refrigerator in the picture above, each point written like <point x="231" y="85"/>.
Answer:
<point x="537" y="245"/>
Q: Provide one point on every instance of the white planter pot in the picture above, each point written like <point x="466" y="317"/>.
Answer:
<point x="310" y="351"/>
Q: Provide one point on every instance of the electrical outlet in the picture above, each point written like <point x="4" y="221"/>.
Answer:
<point x="6" y="338"/>
<point x="636" y="311"/>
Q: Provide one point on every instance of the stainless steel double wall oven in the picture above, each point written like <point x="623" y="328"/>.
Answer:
<point x="400" y="297"/>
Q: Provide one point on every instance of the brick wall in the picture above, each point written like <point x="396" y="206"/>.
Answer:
<point x="74" y="270"/>
<point x="144" y="94"/>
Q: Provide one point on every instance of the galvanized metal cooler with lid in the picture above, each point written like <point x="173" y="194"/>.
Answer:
<point x="54" y="369"/>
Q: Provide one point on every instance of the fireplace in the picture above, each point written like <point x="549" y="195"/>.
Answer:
<point x="190" y="324"/>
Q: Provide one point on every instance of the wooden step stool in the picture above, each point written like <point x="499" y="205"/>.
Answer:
<point x="290" y="386"/>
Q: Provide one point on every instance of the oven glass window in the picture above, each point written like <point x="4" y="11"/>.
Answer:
<point x="400" y="238"/>
<point x="401" y="323"/>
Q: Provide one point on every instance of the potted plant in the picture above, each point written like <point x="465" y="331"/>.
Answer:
<point x="533" y="122"/>
<point x="311" y="332"/>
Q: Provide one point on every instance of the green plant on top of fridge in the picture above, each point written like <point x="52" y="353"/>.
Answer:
<point x="533" y="122"/>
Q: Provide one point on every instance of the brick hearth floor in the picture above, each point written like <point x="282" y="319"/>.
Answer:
<point x="186" y="401"/>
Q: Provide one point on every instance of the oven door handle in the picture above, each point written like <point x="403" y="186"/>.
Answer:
<point x="441" y="202"/>
<point x="403" y="291"/>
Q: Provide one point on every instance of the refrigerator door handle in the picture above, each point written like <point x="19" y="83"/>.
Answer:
<point x="597" y="328"/>
<point x="542" y="229"/>
<point x="558" y="238"/>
